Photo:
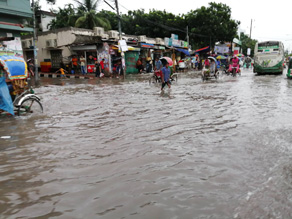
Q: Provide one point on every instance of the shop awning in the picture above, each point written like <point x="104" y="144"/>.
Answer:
<point x="185" y="51"/>
<point x="147" y="45"/>
<point x="84" y="47"/>
<point x="205" y="49"/>
<point x="130" y="48"/>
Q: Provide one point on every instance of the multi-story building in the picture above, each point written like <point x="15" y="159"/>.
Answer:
<point x="12" y="18"/>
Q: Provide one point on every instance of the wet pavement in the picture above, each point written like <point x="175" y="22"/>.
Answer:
<point x="116" y="148"/>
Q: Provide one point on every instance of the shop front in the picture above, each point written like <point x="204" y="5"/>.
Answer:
<point x="92" y="53"/>
<point x="89" y="52"/>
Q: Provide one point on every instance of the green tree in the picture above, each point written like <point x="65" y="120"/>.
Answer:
<point x="153" y="24"/>
<point x="89" y="17"/>
<point x="247" y="42"/>
<point x="209" y="25"/>
<point x="65" y="17"/>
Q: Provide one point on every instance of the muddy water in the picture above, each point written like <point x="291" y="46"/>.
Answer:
<point x="122" y="149"/>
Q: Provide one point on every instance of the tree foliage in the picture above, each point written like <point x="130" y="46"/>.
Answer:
<point x="211" y="23"/>
<point x="84" y="16"/>
<point x="65" y="17"/>
<point x="247" y="42"/>
<point x="206" y="25"/>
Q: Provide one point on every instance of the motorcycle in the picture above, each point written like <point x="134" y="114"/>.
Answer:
<point x="234" y="70"/>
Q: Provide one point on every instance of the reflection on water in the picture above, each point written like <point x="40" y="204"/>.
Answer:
<point x="116" y="148"/>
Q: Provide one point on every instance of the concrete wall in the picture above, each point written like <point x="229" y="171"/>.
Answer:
<point x="65" y="38"/>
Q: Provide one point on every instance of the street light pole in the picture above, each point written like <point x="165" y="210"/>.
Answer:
<point x="36" y="74"/>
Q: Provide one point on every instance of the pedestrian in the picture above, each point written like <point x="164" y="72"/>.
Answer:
<point x="97" y="69"/>
<point x="62" y="70"/>
<point x="102" y="66"/>
<point x="74" y="62"/>
<point x="82" y="64"/>
<point x="30" y="67"/>
<point x="119" y="69"/>
<point x="139" y="65"/>
<point x="166" y="76"/>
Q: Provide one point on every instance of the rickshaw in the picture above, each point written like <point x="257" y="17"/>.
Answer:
<point x="156" y="77"/>
<point x="16" y="97"/>
<point x="207" y="73"/>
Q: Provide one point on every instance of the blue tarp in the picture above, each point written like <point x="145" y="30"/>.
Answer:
<point x="185" y="51"/>
<point x="5" y="98"/>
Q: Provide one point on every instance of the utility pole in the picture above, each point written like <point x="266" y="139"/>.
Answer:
<point x="188" y="39"/>
<point x="36" y="74"/>
<point x="120" y="37"/>
<point x="250" y="28"/>
<point x="119" y="17"/>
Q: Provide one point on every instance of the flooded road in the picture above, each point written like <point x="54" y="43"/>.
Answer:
<point x="122" y="149"/>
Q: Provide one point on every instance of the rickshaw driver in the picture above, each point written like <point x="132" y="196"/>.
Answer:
<point x="158" y="67"/>
<point x="213" y="67"/>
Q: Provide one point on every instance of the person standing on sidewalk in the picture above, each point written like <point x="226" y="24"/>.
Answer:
<point x="74" y="64"/>
<point x="82" y="64"/>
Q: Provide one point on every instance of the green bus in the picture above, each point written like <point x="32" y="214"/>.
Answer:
<point x="269" y="57"/>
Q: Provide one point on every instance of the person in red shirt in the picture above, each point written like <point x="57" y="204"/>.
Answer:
<point x="102" y="65"/>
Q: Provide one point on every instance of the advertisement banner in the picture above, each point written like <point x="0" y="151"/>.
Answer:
<point x="176" y="43"/>
<point x="236" y="51"/>
<point x="248" y="51"/>
<point x="12" y="47"/>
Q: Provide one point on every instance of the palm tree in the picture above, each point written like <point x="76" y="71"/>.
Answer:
<point x="88" y="17"/>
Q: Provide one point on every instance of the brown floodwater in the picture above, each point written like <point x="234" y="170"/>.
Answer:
<point x="116" y="148"/>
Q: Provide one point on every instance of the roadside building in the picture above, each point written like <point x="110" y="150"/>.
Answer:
<point x="12" y="15"/>
<point x="44" y="18"/>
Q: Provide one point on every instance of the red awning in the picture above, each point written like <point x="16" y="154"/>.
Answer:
<point x="205" y="49"/>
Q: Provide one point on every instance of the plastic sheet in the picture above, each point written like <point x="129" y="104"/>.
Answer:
<point x="5" y="98"/>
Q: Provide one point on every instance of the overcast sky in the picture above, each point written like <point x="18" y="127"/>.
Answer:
<point x="270" y="20"/>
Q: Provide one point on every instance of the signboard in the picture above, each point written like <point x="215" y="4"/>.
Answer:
<point x="176" y="43"/>
<point x="166" y="41"/>
<point x="237" y="41"/>
<point x="174" y="36"/>
<point x="236" y="51"/>
<point x="123" y="46"/>
<point x="90" y="68"/>
<point x="13" y="47"/>
<point x="221" y="49"/>
<point x="147" y="45"/>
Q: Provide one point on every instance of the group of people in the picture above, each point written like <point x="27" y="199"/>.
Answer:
<point x="98" y="69"/>
<point x="140" y="67"/>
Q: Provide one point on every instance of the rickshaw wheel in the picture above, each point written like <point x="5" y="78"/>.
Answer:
<point x="30" y="105"/>
<point x="152" y="80"/>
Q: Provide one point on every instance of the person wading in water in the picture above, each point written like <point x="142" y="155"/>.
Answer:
<point x="166" y="76"/>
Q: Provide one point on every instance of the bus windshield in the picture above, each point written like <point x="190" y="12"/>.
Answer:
<point x="269" y="46"/>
